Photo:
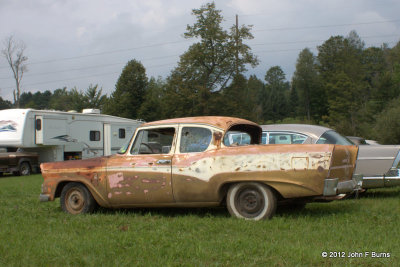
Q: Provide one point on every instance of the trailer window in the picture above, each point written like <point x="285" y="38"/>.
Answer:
<point x="121" y="133"/>
<point x="94" y="136"/>
<point x="38" y="124"/>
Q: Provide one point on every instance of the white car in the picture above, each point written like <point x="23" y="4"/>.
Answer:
<point x="378" y="164"/>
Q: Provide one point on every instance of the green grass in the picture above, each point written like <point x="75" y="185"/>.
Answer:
<point x="40" y="234"/>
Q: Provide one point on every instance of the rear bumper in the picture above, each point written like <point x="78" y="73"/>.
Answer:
<point x="333" y="187"/>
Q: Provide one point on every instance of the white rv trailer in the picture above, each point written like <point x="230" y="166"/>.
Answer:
<point x="58" y="135"/>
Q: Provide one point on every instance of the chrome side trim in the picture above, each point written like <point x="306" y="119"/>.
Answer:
<point x="376" y="158"/>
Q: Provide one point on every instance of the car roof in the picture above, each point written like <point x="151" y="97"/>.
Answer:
<point x="314" y="131"/>
<point x="221" y="122"/>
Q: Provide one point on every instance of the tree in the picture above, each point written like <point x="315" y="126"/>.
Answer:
<point x="14" y="54"/>
<point x="275" y="105"/>
<point x="129" y="92"/>
<point x="387" y="128"/>
<point x="62" y="100"/>
<point x="209" y="65"/>
<point x="93" y="97"/>
<point x="255" y="89"/>
<point x="306" y="82"/>
<point x="152" y="106"/>
<point x="4" y="104"/>
<point x="37" y="100"/>
<point x="236" y="100"/>
<point x="340" y="64"/>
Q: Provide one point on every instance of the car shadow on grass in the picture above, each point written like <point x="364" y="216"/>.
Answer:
<point x="390" y="192"/>
<point x="219" y="212"/>
<point x="317" y="209"/>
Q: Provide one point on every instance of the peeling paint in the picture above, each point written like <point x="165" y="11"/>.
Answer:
<point x="249" y="163"/>
<point x="115" y="179"/>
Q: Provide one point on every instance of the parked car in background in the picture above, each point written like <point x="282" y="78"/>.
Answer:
<point x="379" y="164"/>
<point x="362" y="141"/>
<point x="18" y="162"/>
<point x="199" y="162"/>
<point x="357" y="140"/>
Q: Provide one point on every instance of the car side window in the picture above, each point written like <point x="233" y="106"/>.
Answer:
<point x="286" y="138"/>
<point x="153" y="141"/>
<point x="236" y="138"/>
<point x="194" y="139"/>
<point x="264" y="138"/>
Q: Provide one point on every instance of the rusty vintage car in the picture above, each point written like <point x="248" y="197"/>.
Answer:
<point x="191" y="162"/>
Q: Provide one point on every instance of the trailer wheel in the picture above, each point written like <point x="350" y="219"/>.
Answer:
<point x="25" y="168"/>
<point x="251" y="201"/>
<point x="76" y="199"/>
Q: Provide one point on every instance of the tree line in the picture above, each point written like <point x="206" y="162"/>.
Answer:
<point x="346" y="86"/>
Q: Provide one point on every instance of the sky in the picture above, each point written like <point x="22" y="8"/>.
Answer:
<point x="75" y="43"/>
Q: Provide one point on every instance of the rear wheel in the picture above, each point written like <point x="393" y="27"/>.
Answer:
<point x="25" y="169"/>
<point x="251" y="200"/>
<point x="76" y="199"/>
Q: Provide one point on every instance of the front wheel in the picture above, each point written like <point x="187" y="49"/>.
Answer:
<point x="76" y="199"/>
<point x="251" y="201"/>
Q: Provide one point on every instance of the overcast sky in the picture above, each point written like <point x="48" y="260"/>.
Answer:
<point x="77" y="43"/>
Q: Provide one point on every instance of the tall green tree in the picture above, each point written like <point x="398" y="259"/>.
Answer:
<point x="209" y="65"/>
<point x="61" y="100"/>
<point x="152" y="106"/>
<point x="340" y="65"/>
<point x="275" y="103"/>
<point x="94" y="98"/>
<point x="255" y="88"/>
<point x="236" y="98"/>
<point x="129" y="92"/>
<point x="306" y="81"/>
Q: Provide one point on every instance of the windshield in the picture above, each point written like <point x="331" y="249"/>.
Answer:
<point x="332" y="137"/>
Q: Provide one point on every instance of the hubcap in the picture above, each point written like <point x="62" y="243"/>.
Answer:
<point x="24" y="170"/>
<point x="75" y="201"/>
<point x="250" y="202"/>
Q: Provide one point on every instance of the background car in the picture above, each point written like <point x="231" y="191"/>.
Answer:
<point x="18" y="162"/>
<point x="362" y="141"/>
<point x="379" y="164"/>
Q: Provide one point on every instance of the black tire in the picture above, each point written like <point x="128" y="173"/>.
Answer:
<point x="251" y="201"/>
<point x="25" y="169"/>
<point x="76" y="199"/>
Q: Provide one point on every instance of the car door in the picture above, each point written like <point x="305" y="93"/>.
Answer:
<point x="192" y="164"/>
<point x="143" y="174"/>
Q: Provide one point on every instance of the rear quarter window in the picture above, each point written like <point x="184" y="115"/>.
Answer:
<point x="332" y="137"/>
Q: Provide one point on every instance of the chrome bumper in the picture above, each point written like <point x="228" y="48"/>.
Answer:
<point x="389" y="179"/>
<point x="333" y="187"/>
<point x="44" y="197"/>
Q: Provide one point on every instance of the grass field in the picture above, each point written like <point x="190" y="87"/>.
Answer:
<point x="40" y="234"/>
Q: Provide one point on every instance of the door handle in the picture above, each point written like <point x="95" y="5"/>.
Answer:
<point x="163" y="161"/>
